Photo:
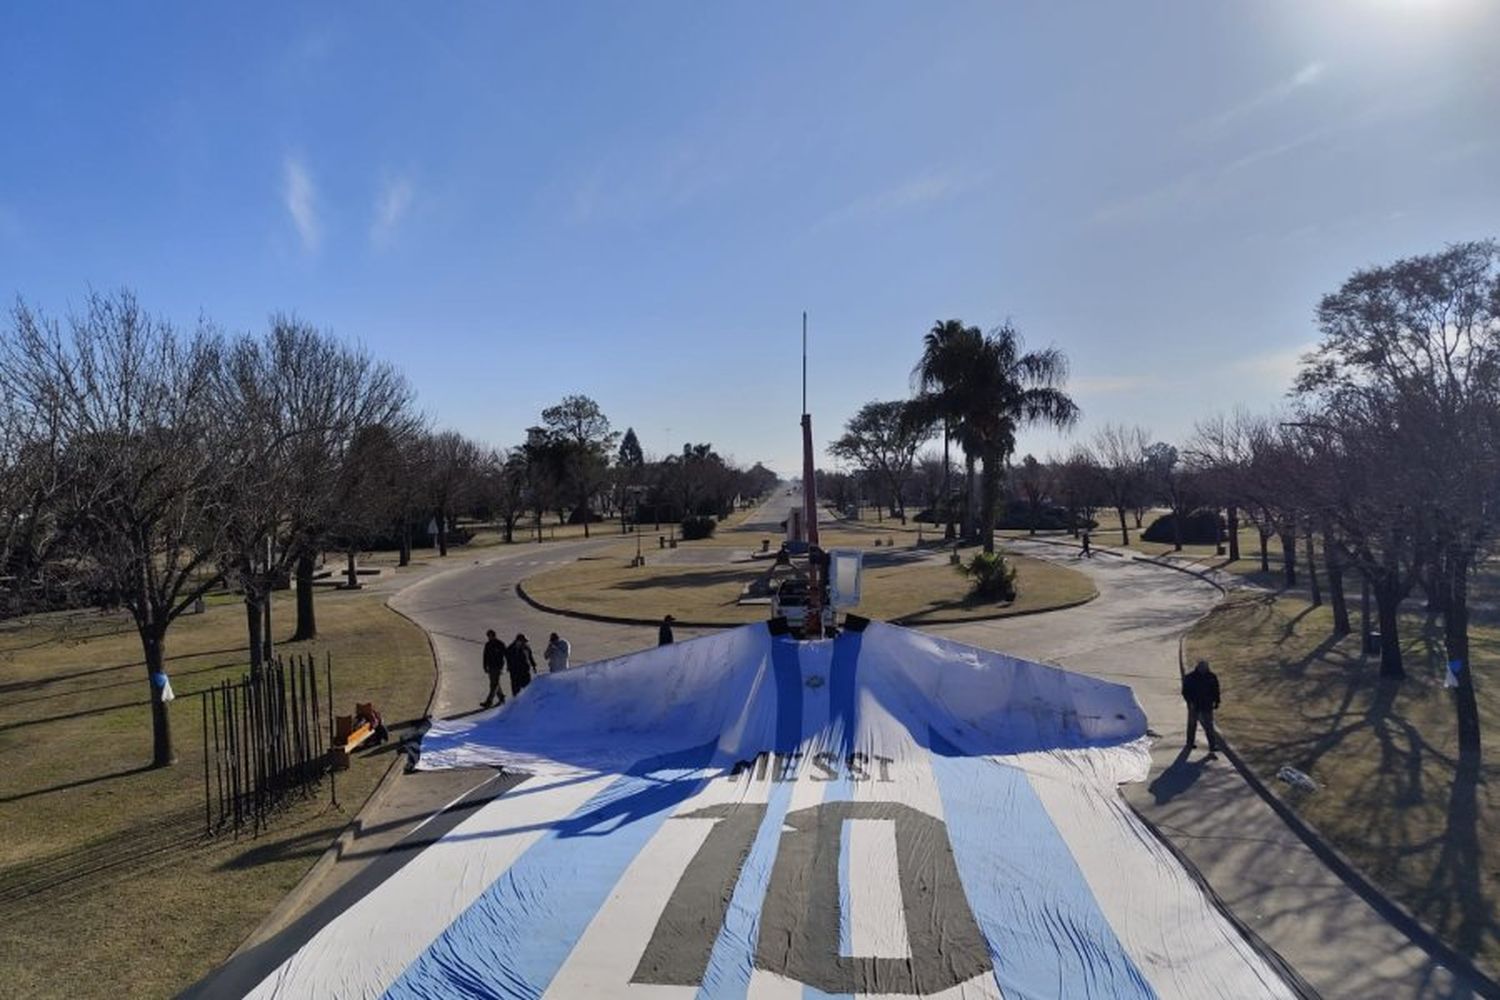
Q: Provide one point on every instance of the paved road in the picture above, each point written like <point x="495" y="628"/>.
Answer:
<point x="769" y="515"/>
<point x="1129" y="635"/>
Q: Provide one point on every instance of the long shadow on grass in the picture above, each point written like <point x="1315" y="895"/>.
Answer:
<point x="1402" y="831"/>
<point x="80" y="783"/>
<point x="77" y="692"/>
<point x="42" y="682"/>
<point x="692" y="580"/>
<point x="143" y="845"/>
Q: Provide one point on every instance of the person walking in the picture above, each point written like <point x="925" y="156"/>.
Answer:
<point x="1200" y="689"/>
<point x="664" y="634"/>
<point x="494" y="663"/>
<point x="521" y="663"/>
<point x="1088" y="552"/>
<point x="556" y="653"/>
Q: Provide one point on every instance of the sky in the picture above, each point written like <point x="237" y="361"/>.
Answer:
<point x="637" y="201"/>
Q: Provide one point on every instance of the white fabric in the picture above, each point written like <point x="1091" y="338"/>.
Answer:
<point x="846" y="763"/>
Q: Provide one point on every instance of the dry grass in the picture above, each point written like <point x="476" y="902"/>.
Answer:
<point x="606" y="584"/>
<point x="1384" y="753"/>
<point x="110" y="888"/>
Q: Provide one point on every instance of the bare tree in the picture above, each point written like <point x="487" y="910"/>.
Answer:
<point x="1121" y="453"/>
<point x="365" y="498"/>
<point x="296" y="400"/>
<point x="502" y="486"/>
<point x="1220" y="449"/>
<point x="1171" y="478"/>
<point x="452" y="465"/>
<point x="32" y="484"/>
<point x="145" y="511"/>
<point x="1078" y="482"/>
<point x="1412" y="350"/>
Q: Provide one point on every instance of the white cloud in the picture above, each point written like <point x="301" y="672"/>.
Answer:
<point x="722" y="152"/>
<point x="391" y="206"/>
<point x="1275" y="94"/>
<point x="1198" y="186"/>
<point x="301" y="197"/>
<point x="1276" y="368"/>
<point x="915" y="192"/>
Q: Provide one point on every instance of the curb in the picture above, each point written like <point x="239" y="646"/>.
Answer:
<point x="903" y="620"/>
<point x="1103" y="551"/>
<point x="300" y="892"/>
<point x="1026" y="613"/>
<point x="1393" y="912"/>
<point x="590" y="616"/>
<point x="1152" y="561"/>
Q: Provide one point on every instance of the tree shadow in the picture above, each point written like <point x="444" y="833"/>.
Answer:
<point x="80" y="783"/>
<point x="139" y="847"/>
<point x="1402" y="805"/>
<point x="688" y="581"/>
<point x="94" y="688"/>
<point x="41" y="682"/>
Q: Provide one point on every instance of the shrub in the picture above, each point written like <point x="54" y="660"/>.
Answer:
<point x="1018" y="516"/>
<point x="994" y="579"/>
<point x="1199" y="528"/>
<point x="698" y="526"/>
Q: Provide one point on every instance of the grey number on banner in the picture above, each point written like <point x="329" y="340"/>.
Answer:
<point x="799" y="921"/>
<point x="678" y="952"/>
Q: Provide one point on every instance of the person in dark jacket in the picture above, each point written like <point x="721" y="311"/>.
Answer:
<point x="1200" y="689"/>
<point x="520" y="662"/>
<point x="664" y="634"/>
<point x="494" y="663"/>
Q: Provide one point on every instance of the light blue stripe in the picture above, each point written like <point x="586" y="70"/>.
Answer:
<point x="729" y="965"/>
<point x="728" y="974"/>
<point x="842" y="705"/>
<point x="1046" y="934"/>
<point x="513" y="939"/>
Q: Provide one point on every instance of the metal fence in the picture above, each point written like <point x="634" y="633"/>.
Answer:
<point x="265" y="744"/>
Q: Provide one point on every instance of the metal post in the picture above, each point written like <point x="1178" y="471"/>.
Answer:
<point x="218" y="756"/>
<point x="208" y="810"/>
<point x="333" y="789"/>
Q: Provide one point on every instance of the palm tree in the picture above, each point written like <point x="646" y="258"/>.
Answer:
<point x="1001" y="392"/>
<point x="949" y="351"/>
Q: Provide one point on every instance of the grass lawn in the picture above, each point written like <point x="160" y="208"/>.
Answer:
<point x="606" y="584"/>
<point x="1383" y="754"/>
<point x="109" y="886"/>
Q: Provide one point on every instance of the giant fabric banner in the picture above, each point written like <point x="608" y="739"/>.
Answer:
<point x="746" y="815"/>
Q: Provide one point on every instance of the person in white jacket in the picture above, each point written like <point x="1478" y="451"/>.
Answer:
<point x="556" y="653"/>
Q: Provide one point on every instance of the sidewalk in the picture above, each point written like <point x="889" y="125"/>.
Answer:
<point x="1262" y="870"/>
